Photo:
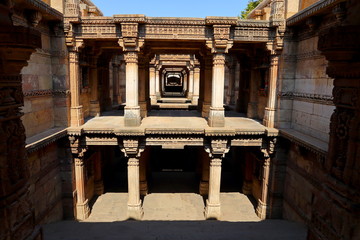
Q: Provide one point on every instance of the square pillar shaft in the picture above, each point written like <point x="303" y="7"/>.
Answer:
<point x="134" y="203"/>
<point x="82" y="205"/>
<point x="152" y="85"/>
<point x="212" y="209"/>
<point x="132" y="109"/>
<point x="76" y="112"/>
<point x="217" y="115"/>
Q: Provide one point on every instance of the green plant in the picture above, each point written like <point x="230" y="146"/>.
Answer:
<point x="250" y="6"/>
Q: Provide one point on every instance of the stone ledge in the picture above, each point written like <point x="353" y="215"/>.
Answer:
<point x="310" y="11"/>
<point x="45" y="138"/>
<point x="313" y="144"/>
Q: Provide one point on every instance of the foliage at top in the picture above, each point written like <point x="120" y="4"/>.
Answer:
<point x="250" y="6"/>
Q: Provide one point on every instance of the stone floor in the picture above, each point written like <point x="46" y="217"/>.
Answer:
<point x="174" y="216"/>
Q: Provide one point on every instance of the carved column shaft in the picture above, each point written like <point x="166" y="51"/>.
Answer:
<point x="191" y="84"/>
<point x="196" y="91"/>
<point x="261" y="209"/>
<point x="82" y="207"/>
<point x="133" y="182"/>
<point x="269" y="118"/>
<point x="217" y="116"/>
<point x="132" y="109"/>
<point x="77" y="118"/>
<point x="157" y="83"/>
<point x="152" y="85"/>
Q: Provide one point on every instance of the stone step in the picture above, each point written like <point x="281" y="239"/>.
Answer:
<point x="173" y="100"/>
<point x="174" y="105"/>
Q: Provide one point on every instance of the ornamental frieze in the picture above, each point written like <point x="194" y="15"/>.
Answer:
<point x="178" y="31"/>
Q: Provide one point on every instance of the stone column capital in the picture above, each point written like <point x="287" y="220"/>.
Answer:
<point x="131" y="57"/>
<point x="217" y="148"/>
<point x="132" y="148"/>
<point x="219" y="59"/>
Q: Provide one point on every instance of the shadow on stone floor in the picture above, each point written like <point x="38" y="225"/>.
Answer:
<point x="174" y="230"/>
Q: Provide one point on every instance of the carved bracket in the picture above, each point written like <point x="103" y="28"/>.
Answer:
<point x="268" y="147"/>
<point x="217" y="148"/>
<point x="132" y="147"/>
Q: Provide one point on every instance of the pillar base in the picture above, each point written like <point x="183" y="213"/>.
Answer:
<point x="132" y="117"/>
<point x="204" y="188"/>
<point x="216" y="117"/>
<point x="153" y="100"/>
<point x="94" y="108"/>
<point x="77" y="116"/>
<point x="82" y="210"/>
<point x="135" y="211"/>
<point x="143" y="188"/>
<point x="99" y="187"/>
<point x="195" y="100"/>
<point x="212" y="211"/>
<point x="269" y="117"/>
<point x="247" y="188"/>
<point x="158" y="95"/>
<point x="261" y="210"/>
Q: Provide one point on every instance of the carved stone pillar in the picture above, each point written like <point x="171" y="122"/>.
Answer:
<point x="132" y="150"/>
<point x="196" y="93"/>
<point x="17" y="217"/>
<point x="269" y="117"/>
<point x="94" y="85"/>
<point x="217" y="115"/>
<point x="261" y="209"/>
<point x="191" y="84"/>
<point x="76" y="112"/>
<point x="132" y="109"/>
<point x="157" y="82"/>
<point x="216" y="152"/>
<point x="335" y="212"/>
<point x="152" y="85"/>
<point x="82" y="204"/>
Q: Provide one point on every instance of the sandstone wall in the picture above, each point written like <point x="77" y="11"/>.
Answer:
<point x="45" y="184"/>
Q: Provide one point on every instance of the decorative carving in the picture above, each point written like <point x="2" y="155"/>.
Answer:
<point x="217" y="148"/>
<point x="131" y="57"/>
<point x="309" y="97"/>
<point x="34" y="18"/>
<point x="219" y="59"/>
<point x="129" y="30"/>
<point x="132" y="148"/>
